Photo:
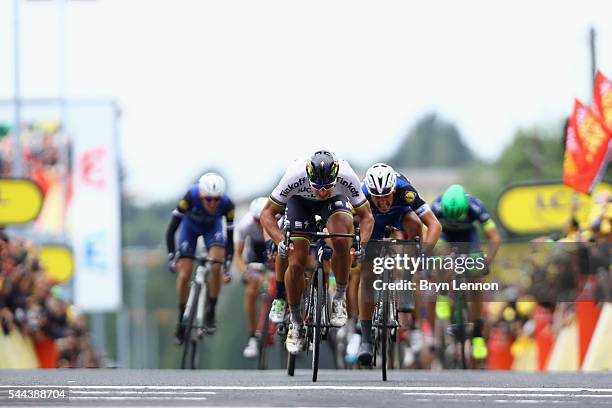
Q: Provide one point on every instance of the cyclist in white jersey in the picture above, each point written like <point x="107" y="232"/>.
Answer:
<point x="326" y="187"/>
<point x="250" y="257"/>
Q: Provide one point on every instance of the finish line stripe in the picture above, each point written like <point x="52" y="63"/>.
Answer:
<point x="501" y="394"/>
<point x="311" y="387"/>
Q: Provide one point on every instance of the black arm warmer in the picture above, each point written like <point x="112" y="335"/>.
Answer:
<point x="229" y="245"/>
<point x="170" y="231"/>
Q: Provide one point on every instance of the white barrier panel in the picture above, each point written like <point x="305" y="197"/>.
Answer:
<point x="599" y="354"/>
<point x="95" y="213"/>
<point x="564" y="355"/>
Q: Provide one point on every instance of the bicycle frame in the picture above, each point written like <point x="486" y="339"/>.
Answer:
<point x="459" y="328"/>
<point x="194" y="312"/>
<point x="265" y="327"/>
<point x="459" y="322"/>
<point x="316" y="308"/>
<point x="385" y="322"/>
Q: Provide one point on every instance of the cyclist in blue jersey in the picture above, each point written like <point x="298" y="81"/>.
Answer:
<point x="395" y="203"/>
<point x="458" y="212"/>
<point x="201" y="213"/>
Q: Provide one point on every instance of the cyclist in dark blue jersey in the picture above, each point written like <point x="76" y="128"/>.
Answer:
<point x="201" y="213"/>
<point x="395" y="203"/>
<point x="392" y="197"/>
<point x="458" y="213"/>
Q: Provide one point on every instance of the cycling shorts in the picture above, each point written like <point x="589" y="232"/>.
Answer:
<point x="392" y="219"/>
<point x="188" y="236"/>
<point x="301" y="212"/>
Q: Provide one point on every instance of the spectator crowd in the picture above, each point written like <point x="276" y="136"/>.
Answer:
<point x="31" y="304"/>
<point x="553" y="283"/>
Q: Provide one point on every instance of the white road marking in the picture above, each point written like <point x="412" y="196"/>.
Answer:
<point x="144" y="392"/>
<point x="317" y="387"/>
<point x="525" y="401"/>
<point x="533" y="401"/>
<point x="509" y="394"/>
<point x="446" y="400"/>
<point x="108" y="398"/>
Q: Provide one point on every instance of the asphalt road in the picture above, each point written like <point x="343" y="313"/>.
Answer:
<point x="273" y="388"/>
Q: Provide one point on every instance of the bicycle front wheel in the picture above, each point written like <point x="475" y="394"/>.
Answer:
<point x="459" y="315"/>
<point x="189" y="342"/>
<point x="384" y="337"/>
<point x="194" y="354"/>
<point x="318" y="306"/>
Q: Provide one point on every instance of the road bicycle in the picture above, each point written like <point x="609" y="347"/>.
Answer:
<point x="385" y="322"/>
<point x="193" y="317"/>
<point x="316" y="303"/>
<point x="267" y="330"/>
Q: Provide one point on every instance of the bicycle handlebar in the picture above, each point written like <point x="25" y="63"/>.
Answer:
<point x="397" y="241"/>
<point x="325" y="235"/>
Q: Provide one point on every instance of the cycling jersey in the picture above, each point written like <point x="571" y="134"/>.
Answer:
<point x="196" y="221"/>
<point x="192" y="207"/>
<point x="463" y="230"/>
<point x="252" y="235"/>
<point x="405" y="199"/>
<point x="295" y="183"/>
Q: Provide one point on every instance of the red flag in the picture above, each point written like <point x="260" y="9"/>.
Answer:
<point x="586" y="149"/>
<point x="603" y="99"/>
<point x="573" y="159"/>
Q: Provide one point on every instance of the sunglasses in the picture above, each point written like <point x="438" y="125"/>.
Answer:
<point x="322" y="187"/>
<point x="386" y="194"/>
<point x="212" y="199"/>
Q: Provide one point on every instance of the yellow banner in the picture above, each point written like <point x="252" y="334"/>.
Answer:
<point x="58" y="262"/>
<point x="20" y="201"/>
<point x="542" y="208"/>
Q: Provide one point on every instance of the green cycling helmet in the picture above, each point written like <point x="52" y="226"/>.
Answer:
<point x="454" y="202"/>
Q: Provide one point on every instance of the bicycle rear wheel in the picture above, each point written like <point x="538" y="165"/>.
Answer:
<point x="441" y="334"/>
<point x="194" y="354"/>
<point x="264" y="334"/>
<point x="459" y="323"/>
<point x="318" y="280"/>
<point x="290" y="364"/>
<point x="189" y="349"/>
<point x="282" y="355"/>
<point x="463" y="356"/>
<point x="384" y="338"/>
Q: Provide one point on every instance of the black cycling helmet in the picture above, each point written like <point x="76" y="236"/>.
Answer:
<point x="322" y="168"/>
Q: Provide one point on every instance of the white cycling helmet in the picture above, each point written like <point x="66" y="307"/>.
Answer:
<point x="212" y="185"/>
<point x="380" y="179"/>
<point x="257" y="206"/>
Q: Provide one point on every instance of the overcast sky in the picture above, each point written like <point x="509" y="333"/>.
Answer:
<point x="246" y="86"/>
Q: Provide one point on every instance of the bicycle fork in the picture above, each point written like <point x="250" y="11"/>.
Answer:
<point x="200" y="301"/>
